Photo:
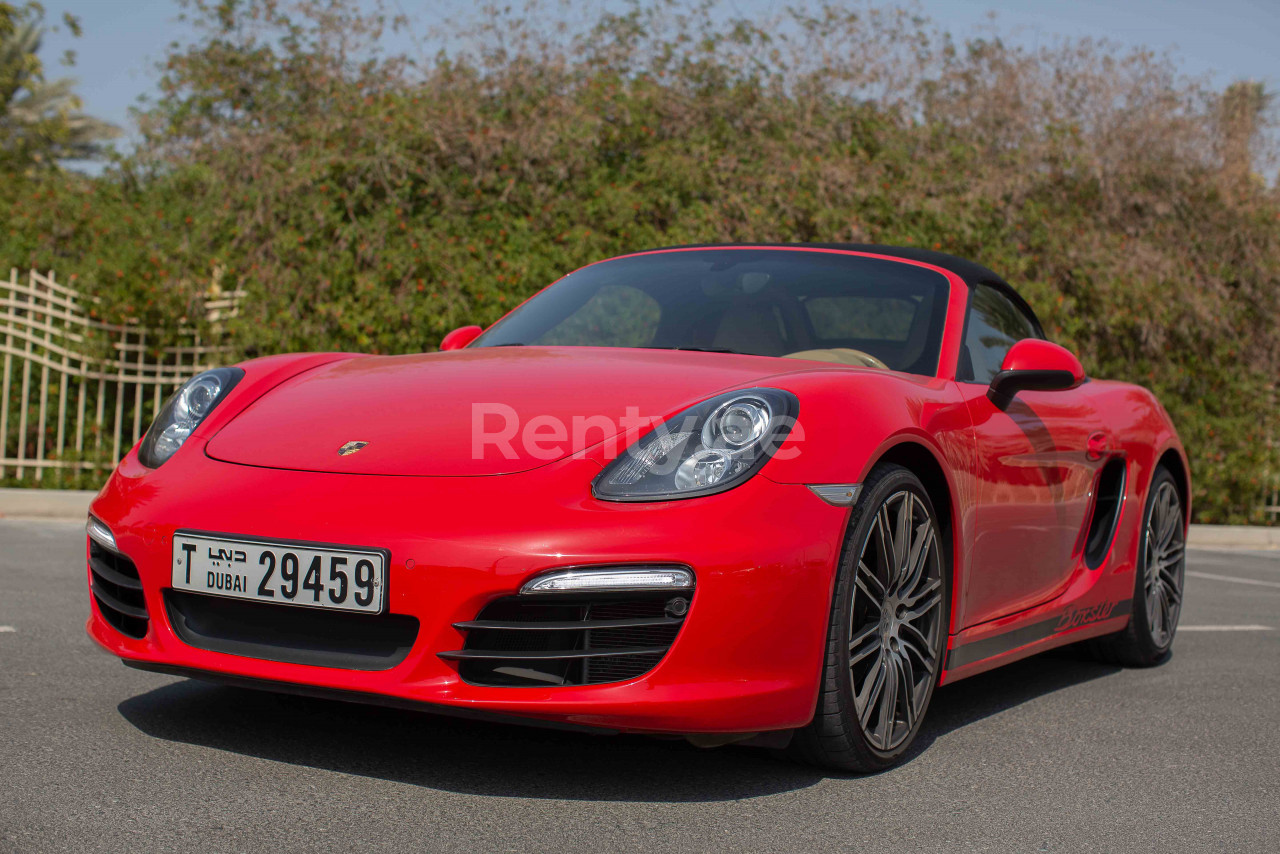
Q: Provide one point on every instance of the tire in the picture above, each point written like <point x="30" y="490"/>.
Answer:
<point x="1158" y="582"/>
<point x="892" y="634"/>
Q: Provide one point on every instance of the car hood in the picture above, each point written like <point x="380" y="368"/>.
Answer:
<point x="484" y="411"/>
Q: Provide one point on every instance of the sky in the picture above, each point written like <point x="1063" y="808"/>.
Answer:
<point x="1225" y="39"/>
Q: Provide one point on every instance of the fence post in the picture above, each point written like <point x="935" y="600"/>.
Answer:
<point x="63" y="381"/>
<point x="36" y="308"/>
<point x="138" y="399"/>
<point x="99" y="419"/>
<point x="120" y="387"/>
<point x="10" y="320"/>
<point x="25" y="401"/>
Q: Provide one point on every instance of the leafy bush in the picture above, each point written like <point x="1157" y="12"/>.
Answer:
<point x="369" y="202"/>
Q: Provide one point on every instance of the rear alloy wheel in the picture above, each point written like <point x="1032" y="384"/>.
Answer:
<point x="1161" y="572"/>
<point x="1164" y="549"/>
<point x="887" y="630"/>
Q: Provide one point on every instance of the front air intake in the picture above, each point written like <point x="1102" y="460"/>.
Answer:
<point x="117" y="589"/>
<point x="577" y="639"/>
<point x="290" y="634"/>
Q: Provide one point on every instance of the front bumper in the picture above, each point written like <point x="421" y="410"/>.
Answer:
<point x="747" y="658"/>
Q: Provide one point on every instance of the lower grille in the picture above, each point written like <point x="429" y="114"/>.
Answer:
<point x="117" y="589"/>
<point x="583" y="639"/>
<point x="291" y="634"/>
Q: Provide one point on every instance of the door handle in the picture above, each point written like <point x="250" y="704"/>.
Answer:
<point x="1099" y="444"/>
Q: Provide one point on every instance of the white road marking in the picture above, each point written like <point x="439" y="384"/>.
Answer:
<point x="7" y="629"/>
<point x="1224" y="628"/>
<point x="1213" y="577"/>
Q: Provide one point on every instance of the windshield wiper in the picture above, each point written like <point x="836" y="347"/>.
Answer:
<point x="687" y="349"/>
<point x="703" y="350"/>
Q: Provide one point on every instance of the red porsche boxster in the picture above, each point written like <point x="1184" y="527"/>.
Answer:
<point x="773" y="494"/>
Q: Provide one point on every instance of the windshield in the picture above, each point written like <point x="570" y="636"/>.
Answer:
<point x="823" y="306"/>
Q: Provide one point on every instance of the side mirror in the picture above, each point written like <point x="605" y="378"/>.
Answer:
<point x="460" y="337"/>
<point x="1034" y="365"/>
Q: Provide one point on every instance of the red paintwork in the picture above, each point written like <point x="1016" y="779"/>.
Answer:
<point x="464" y="531"/>
<point x="460" y="337"/>
<point x="416" y="411"/>
<point x="1033" y="354"/>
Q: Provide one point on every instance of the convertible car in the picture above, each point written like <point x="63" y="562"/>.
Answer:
<point x="762" y="494"/>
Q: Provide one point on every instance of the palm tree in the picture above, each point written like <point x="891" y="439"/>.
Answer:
<point x="40" y="120"/>
<point x="1242" y="121"/>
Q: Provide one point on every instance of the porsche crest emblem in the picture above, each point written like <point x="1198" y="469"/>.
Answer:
<point x="350" y="448"/>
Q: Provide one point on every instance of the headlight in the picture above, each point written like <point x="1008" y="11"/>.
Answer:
<point x="183" y="412"/>
<point x="708" y="448"/>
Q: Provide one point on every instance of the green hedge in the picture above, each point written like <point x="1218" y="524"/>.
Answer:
<point x="368" y="204"/>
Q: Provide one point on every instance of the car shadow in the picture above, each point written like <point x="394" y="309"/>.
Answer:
<point x="475" y="757"/>
<point x="978" y="697"/>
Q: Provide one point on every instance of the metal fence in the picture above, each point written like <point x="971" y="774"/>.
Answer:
<point x="76" y="393"/>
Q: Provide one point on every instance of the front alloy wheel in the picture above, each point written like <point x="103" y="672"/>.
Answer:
<point x="888" y="628"/>
<point x="895" y="620"/>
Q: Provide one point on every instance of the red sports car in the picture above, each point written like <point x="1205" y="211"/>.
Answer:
<point x="773" y="494"/>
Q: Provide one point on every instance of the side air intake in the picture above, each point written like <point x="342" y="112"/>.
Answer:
<point x="1108" y="499"/>
<point x="117" y="589"/>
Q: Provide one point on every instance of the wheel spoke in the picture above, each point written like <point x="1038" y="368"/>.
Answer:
<point x="908" y="684"/>
<point x="1161" y="517"/>
<point x="888" y="705"/>
<point x="1166" y="608"/>
<point x="884" y="548"/>
<point x="867" y="582"/>
<point x="919" y="638"/>
<point x="1161" y="615"/>
<point x="912" y="635"/>
<point x="901" y="541"/>
<point x="926" y="590"/>
<point x="1168" y="516"/>
<point x="872" y="687"/>
<point x="864" y="643"/>
<point x="929" y="602"/>
<point x="921" y="546"/>
<point x="1168" y="573"/>
<point x="926" y="661"/>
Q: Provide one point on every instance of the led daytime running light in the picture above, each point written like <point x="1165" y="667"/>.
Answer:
<point x="629" y="578"/>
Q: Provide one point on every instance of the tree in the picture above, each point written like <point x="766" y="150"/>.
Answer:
<point x="40" y="119"/>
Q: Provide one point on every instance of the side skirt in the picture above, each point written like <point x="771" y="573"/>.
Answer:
<point x="971" y="657"/>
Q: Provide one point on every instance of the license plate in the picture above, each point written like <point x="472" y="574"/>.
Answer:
<point x="313" y="575"/>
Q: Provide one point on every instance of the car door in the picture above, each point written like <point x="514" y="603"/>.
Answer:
<point x="1032" y="468"/>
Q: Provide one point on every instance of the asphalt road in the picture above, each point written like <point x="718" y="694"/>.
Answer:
<point x="1052" y="754"/>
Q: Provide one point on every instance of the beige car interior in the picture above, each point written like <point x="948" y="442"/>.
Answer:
<point x="840" y="356"/>
<point x="765" y="327"/>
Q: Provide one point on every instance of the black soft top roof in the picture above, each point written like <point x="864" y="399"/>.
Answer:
<point x="970" y="272"/>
